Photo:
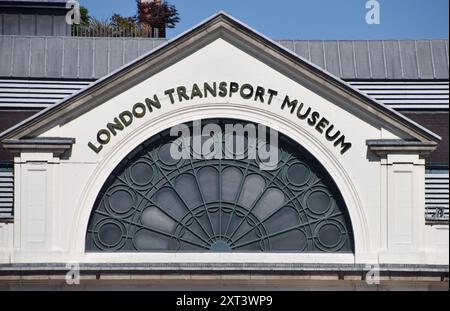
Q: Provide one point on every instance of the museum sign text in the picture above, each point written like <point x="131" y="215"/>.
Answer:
<point x="258" y="94"/>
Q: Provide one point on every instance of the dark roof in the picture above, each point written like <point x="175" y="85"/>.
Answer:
<point x="93" y="58"/>
<point x="377" y="59"/>
<point x="33" y="7"/>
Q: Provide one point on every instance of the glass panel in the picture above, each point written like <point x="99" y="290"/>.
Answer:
<point x="154" y="218"/>
<point x="208" y="179"/>
<point x="252" y="189"/>
<point x="319" y="202"/>
<point x="110" y="234"/>
<point x="271" y="201"/>
<point x="231" y="181"/>
<point x="168" y="200"/>
<point x="152" y="202"/>
<point x="298" y="174"/>
<point x="292" y="240"/>
<point x="287" y="217"/>
<point x="186" y="185"/>
<point x="148" y="240"/>
<point x="141" y="173"/>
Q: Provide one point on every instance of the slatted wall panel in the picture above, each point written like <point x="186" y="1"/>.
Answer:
<point x="408" y="95"/>
<point x="39" y="94"/>
<point x="6" y="191"/>
<point x="36" y="94"/>
<point x="436" y="196"/>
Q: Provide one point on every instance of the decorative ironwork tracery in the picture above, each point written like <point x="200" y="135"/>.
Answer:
<point x="152" y="202"/>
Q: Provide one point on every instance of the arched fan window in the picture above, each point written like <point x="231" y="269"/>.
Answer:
<point x="153" y="202"/>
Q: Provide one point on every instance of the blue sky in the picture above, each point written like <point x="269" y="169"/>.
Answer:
<point x="306" y="19"/>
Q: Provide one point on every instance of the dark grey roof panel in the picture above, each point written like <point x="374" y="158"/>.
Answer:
<point x="27" y="24"/>
<point x="317" y="53"/>
<point x="393" y="60"/>
<point x="57" y="22"/>
<point x="92" y="58"/>
<point x="11" y="22"/>
<point x="424" y="59"/>
<point x="440" y="57"/>
<point x="409" y="60"/>
<point x="302" y="49"/>
<point x="116" y="54"/>
<point x="21" y="56"/>
<point x="6" y="51"/>
<point x="131" y="49"/>
<point x="86" y="58"/>
<point x="101" y="57"/>
<point x="54" y="59"/>
<point x="347" y="59"/>
<point x="377" y="61"/>
<point x="42" y="25"/>
<point x="37" y="57"/>
<point x="70" y="59"/>
<point x="332" y="57"/>
<point x="362" y="60"/>
<point x="145" y="46"/>
<point x="290" y="44"/>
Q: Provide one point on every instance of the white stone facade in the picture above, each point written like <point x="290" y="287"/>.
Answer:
<point x="384" y="192"/>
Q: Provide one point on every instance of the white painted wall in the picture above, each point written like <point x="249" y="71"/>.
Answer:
<point x="385" y="198"/>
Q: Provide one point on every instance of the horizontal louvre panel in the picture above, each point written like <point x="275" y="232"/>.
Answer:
<point x="36" y="94"/>
<point x="437" y="196"/>
<point x="6" y="192"/>
<point x="39" y="94"/>
<point x="407" y="95"/>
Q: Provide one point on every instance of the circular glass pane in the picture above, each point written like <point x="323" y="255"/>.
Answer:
<point x="141" y="173"/>
<point x="110" y="234"/>
<point x="225" y="204"/>
<point x="298" y="174"/>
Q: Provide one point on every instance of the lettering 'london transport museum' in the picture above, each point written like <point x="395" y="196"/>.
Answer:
<point x="224" y="90"/>
<point x="95" y="181"/>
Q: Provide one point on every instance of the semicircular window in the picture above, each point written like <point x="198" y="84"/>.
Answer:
<point x="212" y="193"/>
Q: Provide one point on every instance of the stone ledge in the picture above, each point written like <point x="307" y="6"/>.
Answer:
<point x="33" y="268"/>
<point x="219" y="278"/>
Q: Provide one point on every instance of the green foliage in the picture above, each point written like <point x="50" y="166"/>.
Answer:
<point x="150" y="16"/>
<point x="84" y="14"/>
<point x="120" y="22"/>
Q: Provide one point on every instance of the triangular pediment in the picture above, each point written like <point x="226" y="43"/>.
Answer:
<point x="223" y="35"/>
